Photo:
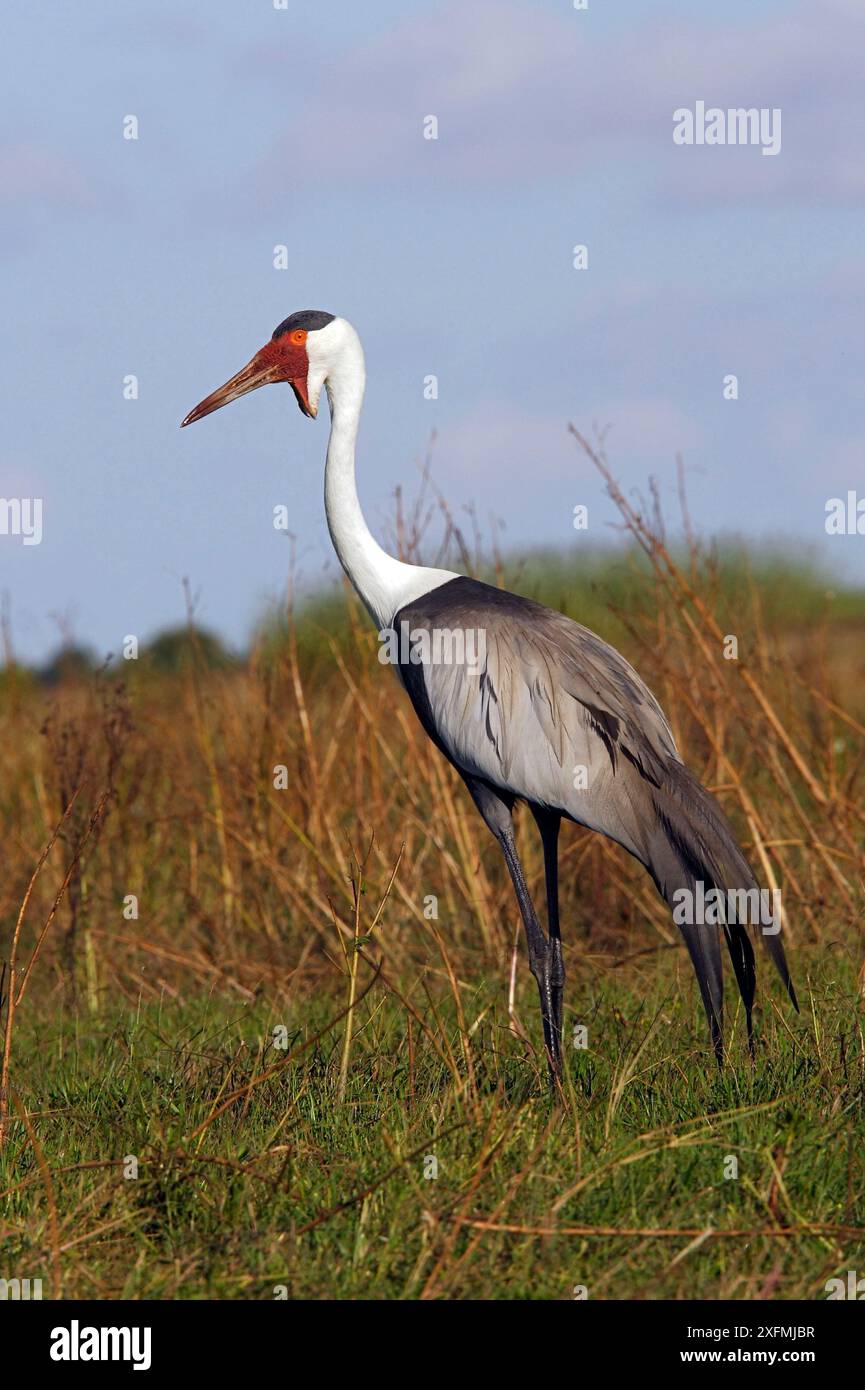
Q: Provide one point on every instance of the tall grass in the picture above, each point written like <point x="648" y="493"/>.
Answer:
<point x="279" y="837"/>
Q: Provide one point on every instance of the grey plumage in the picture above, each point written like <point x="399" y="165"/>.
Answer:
<point x="547" y="699"/>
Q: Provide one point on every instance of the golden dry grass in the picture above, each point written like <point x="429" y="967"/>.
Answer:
<point x="360" y="896"/>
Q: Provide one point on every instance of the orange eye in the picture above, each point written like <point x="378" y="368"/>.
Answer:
<point x="299" y="335"/>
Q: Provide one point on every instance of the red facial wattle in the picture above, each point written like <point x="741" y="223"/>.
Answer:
<point x="282" y="359"/>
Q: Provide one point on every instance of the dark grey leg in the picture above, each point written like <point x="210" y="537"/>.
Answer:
<point x="496" y="811"/>
<point x="549" y="823"/>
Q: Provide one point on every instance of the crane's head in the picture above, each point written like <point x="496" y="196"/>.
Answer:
<point x="305" y="350"/>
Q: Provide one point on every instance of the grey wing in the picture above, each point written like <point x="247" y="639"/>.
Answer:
<point x="550" y="713"/>
<point x="546" y="710"/>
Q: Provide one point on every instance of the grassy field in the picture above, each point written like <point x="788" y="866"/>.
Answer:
<point x="442" y="1170"/>
<point x="267" y="1025"/>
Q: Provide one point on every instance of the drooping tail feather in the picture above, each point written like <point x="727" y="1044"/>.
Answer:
<point x="691" y="843"/>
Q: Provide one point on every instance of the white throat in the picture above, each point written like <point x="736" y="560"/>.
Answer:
<point x="384" y="583"/>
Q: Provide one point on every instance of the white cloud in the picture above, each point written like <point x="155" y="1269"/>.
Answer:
<point x="525" y="95"/>
<point x="498" y="439"/>
<point x="36" y="175"/>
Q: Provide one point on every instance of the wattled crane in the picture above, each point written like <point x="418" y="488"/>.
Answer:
<point x="541" y="697"/>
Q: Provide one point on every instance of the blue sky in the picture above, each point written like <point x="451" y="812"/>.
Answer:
<point x="303" y="127"/>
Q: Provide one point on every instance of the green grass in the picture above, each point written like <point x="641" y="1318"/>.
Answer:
<point x="593" y="583"/>
<point x="590" y="582"/>
<point x="289" y="1186"/>
<point x="794" y="587"/>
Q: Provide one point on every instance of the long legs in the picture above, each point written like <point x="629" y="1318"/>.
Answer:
<point x="545" y="955"/>
<point x="549" y="823"/>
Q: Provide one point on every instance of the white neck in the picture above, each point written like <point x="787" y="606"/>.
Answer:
<point x="384" y="583"/>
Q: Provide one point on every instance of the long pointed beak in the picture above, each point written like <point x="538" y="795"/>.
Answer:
<point x="249" y="378"/>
